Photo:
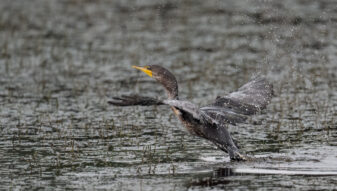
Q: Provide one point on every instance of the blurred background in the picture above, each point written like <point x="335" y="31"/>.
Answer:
<point x="61" y="61"/>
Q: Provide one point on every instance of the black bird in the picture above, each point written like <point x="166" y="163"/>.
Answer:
<point x="210" y="121"/>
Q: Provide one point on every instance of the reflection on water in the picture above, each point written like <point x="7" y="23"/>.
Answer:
<point x="61" y="61"/>
<point x="213" y="180"/>
<point x="285" y="172"/>
<point x="223" y="172"/>
<point x="224" y="176"/>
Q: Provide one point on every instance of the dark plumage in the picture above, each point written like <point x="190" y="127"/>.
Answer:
<point x="208" y="122"/>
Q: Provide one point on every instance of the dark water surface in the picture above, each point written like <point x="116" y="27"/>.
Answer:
<point x="61" y="61"/>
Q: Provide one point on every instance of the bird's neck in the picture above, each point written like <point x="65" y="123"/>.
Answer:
<point x="171" y="88"/>
<point x="169" y="81"/>
<point x="172" y="91"/>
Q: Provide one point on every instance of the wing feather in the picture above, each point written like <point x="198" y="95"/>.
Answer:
<point x="248" y="100"/>
<point x="256" y="93"/>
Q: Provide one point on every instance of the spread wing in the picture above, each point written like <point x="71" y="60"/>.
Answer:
<point x="248" y="100"/>
<point x="233" y="108"/>
<point x="205" y="115"/>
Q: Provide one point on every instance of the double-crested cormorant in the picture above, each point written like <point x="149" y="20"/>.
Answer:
<point x="210" y="121"/>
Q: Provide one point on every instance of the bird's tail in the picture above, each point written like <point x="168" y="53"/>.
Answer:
<point x="130" y="100"/>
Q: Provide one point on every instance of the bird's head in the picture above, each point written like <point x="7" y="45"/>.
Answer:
<point x="163" y="76"/>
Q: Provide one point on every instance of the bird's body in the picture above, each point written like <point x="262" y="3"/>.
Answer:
<point x="210" y="121"/>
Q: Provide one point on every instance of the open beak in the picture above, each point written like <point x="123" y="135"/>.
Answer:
<point x="144" y="69"/>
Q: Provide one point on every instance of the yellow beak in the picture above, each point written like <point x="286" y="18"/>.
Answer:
<point x="144" y="69"/>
